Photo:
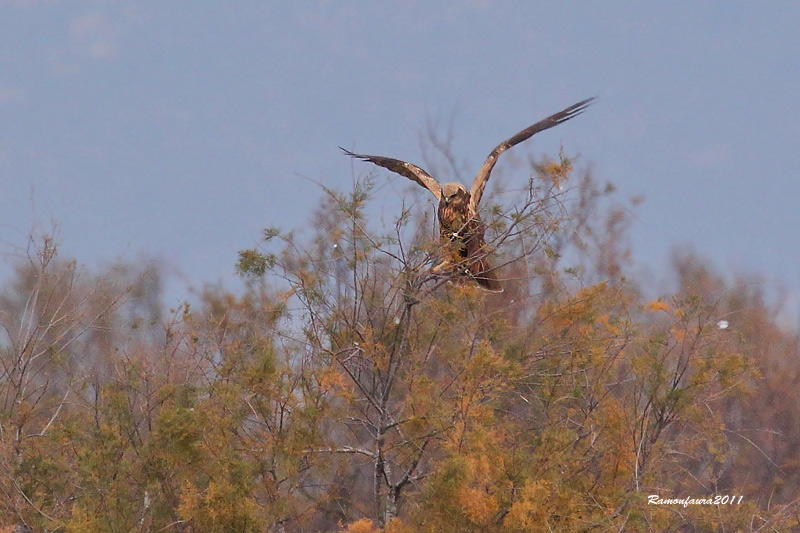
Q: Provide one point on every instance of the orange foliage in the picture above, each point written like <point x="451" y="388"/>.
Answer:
<point x="658" y="305"/>
<point x="381" y="397"/>
<point x="365" y="525"/>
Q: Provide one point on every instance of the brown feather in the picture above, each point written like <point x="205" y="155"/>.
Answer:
<point x="478" y="186"/>
<point x="461" y="230"/>
<point x="463" y="238"/>
<point x="408" y="170"/>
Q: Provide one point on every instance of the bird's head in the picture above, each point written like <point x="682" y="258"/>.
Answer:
<point x="454" y="191"/>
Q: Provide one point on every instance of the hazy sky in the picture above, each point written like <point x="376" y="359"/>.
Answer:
<point x="179" y="129"/>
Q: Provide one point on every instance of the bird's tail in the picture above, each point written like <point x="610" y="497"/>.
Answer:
<point x="486" y="277"/>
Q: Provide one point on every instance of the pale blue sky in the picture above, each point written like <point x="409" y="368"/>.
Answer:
<point x="179" y="129"/>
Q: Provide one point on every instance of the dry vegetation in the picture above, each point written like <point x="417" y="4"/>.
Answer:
<point x="348" y="388"/>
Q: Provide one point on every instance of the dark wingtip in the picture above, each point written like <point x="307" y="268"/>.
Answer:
<point x="575" y="110"/>
<point x="581" y="106"/>
<point x="355" y="155"/>
<point x="584" y="103"/>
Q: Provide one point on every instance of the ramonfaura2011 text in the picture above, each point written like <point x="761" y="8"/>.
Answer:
<point x="654" y="499"/>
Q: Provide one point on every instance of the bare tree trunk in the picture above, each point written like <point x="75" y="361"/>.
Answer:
<point x="390" y="511"/>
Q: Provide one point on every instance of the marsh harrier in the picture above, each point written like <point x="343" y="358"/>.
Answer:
<point x="460" y="227"/>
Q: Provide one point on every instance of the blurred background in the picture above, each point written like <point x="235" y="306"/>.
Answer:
<point x="174" y="132"/>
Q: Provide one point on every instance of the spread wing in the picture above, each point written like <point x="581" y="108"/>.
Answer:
<point x="483" y="175"/>
<point x="412" y="172"/>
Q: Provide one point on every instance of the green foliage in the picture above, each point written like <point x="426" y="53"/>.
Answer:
<point x="254" y="263"/>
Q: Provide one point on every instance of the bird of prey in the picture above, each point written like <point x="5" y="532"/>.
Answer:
<point x="460" y="227"/>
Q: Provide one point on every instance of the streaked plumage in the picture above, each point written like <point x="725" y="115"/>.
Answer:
<point x="460" y="225"/>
